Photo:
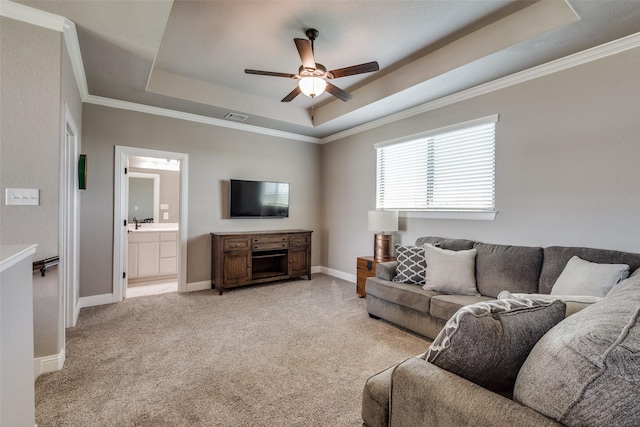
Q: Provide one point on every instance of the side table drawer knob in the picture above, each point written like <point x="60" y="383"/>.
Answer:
<point x="369" y="265"/>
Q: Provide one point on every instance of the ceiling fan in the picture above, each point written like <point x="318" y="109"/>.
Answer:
<point x="314" y="77"/>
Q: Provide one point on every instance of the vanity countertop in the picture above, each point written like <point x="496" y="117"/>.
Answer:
<point x="146" y="227"/>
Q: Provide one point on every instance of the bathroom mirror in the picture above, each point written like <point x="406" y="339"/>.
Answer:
<point x="144" y="196"/>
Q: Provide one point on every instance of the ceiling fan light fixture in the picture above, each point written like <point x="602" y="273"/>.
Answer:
<point x="312" y="86"/>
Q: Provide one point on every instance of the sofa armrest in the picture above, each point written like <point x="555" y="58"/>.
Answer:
<point x="386" y="270"/>
<point x="424" y="394"/>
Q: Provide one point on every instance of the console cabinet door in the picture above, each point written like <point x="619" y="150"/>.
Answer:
<point x="300" y="255"/>
<point x="299" y="260"/>
<point x="236" y="267"/>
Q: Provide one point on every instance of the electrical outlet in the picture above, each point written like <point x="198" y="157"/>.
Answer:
<point x="165" y="215"/>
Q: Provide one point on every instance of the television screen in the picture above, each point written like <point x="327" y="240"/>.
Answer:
<point x="258" y="199"/>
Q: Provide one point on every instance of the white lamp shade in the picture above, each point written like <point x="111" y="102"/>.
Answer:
<point x="383" y="220"/>
<point x="312" y="86"/>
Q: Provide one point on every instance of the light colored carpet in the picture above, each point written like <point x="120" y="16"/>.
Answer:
<point x="293" y="353"/>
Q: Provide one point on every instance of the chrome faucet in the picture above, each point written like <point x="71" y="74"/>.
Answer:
<point x="136" y="221"/>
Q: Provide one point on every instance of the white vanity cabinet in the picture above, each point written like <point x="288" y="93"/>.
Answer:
<point x="169" y="252"/>
<point x="152" y="253"/>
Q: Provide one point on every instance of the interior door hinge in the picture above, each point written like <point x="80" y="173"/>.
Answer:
<point x="124" y="275"/>
<point x="125" y="222"/>
<point x="125" y="171"/>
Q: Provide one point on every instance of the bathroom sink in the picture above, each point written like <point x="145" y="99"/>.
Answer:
<point x="148" y="227"/>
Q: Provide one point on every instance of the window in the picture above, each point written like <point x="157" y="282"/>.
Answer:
<point x="450" y="169"/>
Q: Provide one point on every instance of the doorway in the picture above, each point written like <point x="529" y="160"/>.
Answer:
<point x="149" y="231"/>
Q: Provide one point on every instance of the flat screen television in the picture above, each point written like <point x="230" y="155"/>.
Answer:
<point x="258" y="199"/>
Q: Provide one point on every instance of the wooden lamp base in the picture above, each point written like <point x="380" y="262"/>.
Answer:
<point x="382" y="247"/>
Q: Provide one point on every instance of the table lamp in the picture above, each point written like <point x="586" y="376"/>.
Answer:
<point x="381" y="222"/>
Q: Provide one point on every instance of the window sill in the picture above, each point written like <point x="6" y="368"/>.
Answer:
<point x="464" y="215"/>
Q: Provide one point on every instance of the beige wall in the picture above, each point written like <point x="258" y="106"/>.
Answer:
<point x="567" y="172"/>
<point x="215" y="155"/>
<point x="30" y="133"/>
<point x="35" y="88"/>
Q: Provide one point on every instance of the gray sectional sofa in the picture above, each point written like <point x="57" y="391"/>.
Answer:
<point x="517" y="269"/>
<point x="580" y="370"/>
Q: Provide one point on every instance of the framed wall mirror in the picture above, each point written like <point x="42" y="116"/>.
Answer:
<point x="144" y="197"/>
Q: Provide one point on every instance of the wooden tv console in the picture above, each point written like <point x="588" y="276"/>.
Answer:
<point x="248" y="258"/>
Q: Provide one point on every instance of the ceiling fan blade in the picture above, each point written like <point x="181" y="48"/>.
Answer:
<point x="269" y="73"/>
<point x="306" y="53"/>
<point x="355" y="69"/>
<point x="338" y="93"/>
<point x="291" y="95"/>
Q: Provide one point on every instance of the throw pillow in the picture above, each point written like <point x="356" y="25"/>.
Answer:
<point x="574" y="303"/>
<point x="488" y="342"/>
<point x="411" y="264"/>
<point x="450" y="272"/>
<point x="581" y="277"/>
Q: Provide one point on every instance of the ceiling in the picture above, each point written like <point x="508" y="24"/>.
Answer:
<point x="190" y="56"/>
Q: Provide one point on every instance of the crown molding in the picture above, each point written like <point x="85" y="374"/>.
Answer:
<point x="54" y="22"/>
<point x="73" y="48"/>
<point x="589" y="55"/>
<point x="33" y="16"/>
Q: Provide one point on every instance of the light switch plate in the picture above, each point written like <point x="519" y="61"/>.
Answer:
<point x="164" y="206"/>
<point x="22" y="196"/>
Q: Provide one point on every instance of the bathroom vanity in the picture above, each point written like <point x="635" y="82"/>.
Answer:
<point x="152" y="250"/>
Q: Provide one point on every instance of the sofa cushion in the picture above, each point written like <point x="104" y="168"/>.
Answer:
<point x="445" y="306"/>
<point x="411" y="296"/>
<point x="411" y="264"/>
<point x="488" y="342"/>
<point x="581" y="277"/>
<point x="556" y="258"/>
<point x="450" y="244"/>
<point x="386" y="270"/>
<point x="450" y="272"/>
<point x="507" y="268"/>
<point x="586" y="370"/>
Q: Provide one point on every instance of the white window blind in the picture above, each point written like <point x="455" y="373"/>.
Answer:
<point x="451" y="170"/>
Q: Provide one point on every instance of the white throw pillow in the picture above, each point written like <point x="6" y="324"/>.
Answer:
<point x="450" y="272"/>
<point x="581" y="277"/>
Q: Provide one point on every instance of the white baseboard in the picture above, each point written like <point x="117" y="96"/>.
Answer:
<point x="94" y="300"/>
<point x="199" y="286"/>
<point x="316" y="269"/>
<point x="42" y="365"/>
<point x="339" y="274"/>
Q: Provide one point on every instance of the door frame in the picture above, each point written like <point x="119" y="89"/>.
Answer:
<point x="69" y="276"/>
<point x="120" y="212"/>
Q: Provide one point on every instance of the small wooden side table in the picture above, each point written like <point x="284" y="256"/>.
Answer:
<point x="366" y="267"/>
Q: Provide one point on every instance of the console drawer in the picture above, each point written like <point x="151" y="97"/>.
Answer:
<point x="236" y="245"/>
<point x="269" y="242"/>
<point x="299" y="240"/>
